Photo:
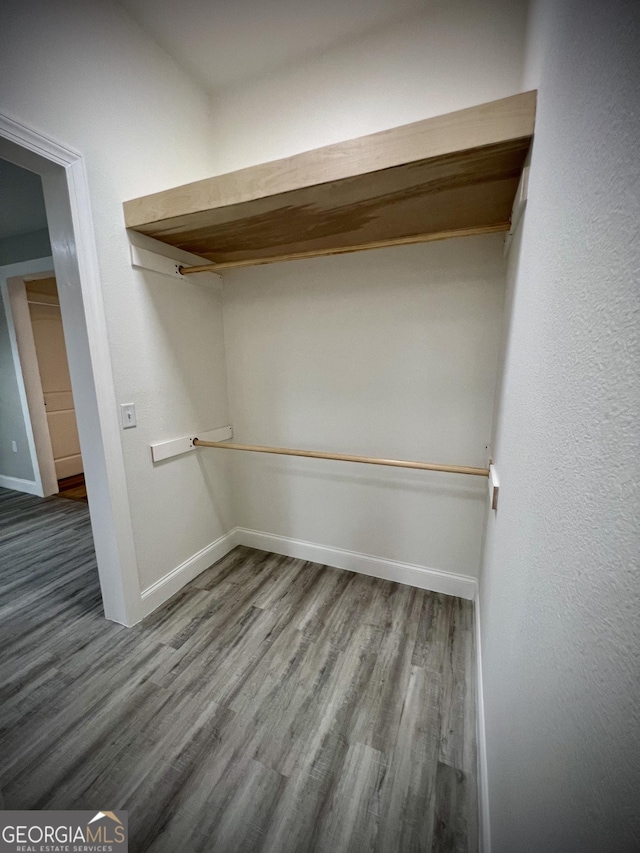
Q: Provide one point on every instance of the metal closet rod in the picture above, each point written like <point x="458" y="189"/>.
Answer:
<point x="343" y="457"/>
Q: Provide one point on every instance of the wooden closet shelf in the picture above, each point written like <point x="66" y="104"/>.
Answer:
<point x="445" y="176"/>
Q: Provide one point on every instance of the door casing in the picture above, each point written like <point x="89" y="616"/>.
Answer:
<point x="76" y="270"/>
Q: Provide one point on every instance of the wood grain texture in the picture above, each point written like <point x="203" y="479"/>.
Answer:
<point x="344" y="457"/>
<point x="271" y="705"/>
<point x="449" y="174"/>
<point x="475" y="127"/>
<point x="73" y="488"/>
<point x="40" y="287"/>
<point x="344" y="250"/>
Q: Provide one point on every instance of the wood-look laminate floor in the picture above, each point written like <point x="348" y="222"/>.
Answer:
<point x="271" y="705"/>
<point x="73" y="488"/>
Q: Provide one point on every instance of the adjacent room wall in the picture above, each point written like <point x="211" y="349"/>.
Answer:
<point x="388" y="353"/>
<point x="24" y="247"/>
<point x="23" y="218"/>
<point x="457" y="54"/>
<point x="97" y="84"/>
<point x="560" y="595"/>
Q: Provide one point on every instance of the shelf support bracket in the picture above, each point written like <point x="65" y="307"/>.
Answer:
<point x="143" y="259"/>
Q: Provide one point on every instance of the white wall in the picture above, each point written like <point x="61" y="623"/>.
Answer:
<point x="360" y="381"/>
<point x="179" y="389"/>
<point x="97" y="84"/>
<point x="458" y="54"/>
<point x="142" y="126"/>
<point x="559" y="589"/>
<point x="388" y="353"/>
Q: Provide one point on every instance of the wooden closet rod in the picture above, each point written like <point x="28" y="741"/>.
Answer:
<point x="343" y="457"/>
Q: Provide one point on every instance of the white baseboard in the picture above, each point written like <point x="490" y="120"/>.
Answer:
<point x="69" y="466"/>
<point x="159" y="592"/>
<point x="422" y="577"/>
<point x="435" y="580"/>
<point x="18" y="485"/>
<point x="483" y="780"/>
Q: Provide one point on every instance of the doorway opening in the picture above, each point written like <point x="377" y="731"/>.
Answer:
<point x="79" y="312"/>
<point x="57" y="394"/>
<point x="37" y="324"/>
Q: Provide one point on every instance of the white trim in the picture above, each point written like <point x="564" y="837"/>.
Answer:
<point x="449" y="583"/>
<point x="463" y="586"/>
<point x="483" y="778"/>
<point x="177" y="446"/>
<point x="33" y="141"/>
<point x="69" y="466"/>
<point x="144" y="259"/>
<point x="16" y="484"/>
<point x="122" y="596"/>
<point x="75" y="260"/>
<point x="160" y="591"/>
<point x="519" y="204"/>
<point x="163" y="259"/>
<point x="494" y="487"/>
<point x="13" y="281"/>
<point x="24" y="268"/>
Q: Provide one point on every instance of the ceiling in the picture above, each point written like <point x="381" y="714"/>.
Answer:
<point x="21" y="201"/>
<point x="223" y="42"/>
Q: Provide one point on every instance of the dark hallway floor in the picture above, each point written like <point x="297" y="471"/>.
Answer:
<point x="73" y="488"/>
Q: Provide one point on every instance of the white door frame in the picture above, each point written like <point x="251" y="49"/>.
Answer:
<point x="22" y="320"/>
<point x="16" y="309"/>
<point x="76" y="269"/>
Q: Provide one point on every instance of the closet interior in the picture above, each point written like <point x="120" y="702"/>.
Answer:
<point x="451" y="176"/>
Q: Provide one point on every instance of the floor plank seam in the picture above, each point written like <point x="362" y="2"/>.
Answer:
<point x="271" y="705"/>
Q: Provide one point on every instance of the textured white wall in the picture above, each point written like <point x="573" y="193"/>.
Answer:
<point x="350" y="384"/>
<point x="388" y="353"/>
<point x="457" y="54"/>
<point x="142" y="126"/>
<point x="94" y="82"/>
<point x="560" y="590"/>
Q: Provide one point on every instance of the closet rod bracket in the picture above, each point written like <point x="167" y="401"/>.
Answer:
<point x="177" y="446"/>
<point x="143" y="259"/>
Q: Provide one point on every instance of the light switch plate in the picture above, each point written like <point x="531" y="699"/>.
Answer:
<point x="128" y="415"/>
